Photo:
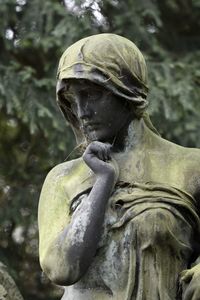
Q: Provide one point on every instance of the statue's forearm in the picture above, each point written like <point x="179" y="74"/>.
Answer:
<point x="76" y="245"/>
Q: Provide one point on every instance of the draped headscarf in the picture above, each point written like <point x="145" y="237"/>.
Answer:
<point x="111" y="61"/>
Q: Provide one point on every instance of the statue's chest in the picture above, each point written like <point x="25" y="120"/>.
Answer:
<point x="144" y="166"/>
<point x="134" y="167"/>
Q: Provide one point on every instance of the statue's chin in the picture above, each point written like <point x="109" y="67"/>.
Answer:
<point x="95" y="135"/>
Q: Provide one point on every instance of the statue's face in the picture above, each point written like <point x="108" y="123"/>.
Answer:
<point x="103" y="116"/>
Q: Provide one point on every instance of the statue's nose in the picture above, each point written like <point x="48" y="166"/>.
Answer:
<point x="84" y="111"/>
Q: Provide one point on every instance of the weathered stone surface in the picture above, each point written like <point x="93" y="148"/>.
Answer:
<point x="8" y="288"/>
<point x="122" y="221"/>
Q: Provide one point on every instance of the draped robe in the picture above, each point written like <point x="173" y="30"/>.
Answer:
<point x="147" y="236"/>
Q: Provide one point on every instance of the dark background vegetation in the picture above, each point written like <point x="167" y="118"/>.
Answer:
<point x="33" y="135"/>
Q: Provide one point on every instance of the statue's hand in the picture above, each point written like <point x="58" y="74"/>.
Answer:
<point x="98" y="157"/>
<point x="191" y="278"/>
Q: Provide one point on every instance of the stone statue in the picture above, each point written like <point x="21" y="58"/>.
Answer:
<point x="8" y="288"/>
<point x="122" y="221"/>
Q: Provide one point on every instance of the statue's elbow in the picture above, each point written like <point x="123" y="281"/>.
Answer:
<point x="62" y="278"/>
<point x="60" y="273"/>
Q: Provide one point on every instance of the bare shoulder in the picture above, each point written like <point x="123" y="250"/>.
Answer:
<point x="59" y="177"/>
<point x="68" y="178"/>
<point x="191" y="169"/>
<point x="191" y="158"/>
<point x="64" y="169"/>
<point x="186" y="157"/>
<point x="182" y="165"/>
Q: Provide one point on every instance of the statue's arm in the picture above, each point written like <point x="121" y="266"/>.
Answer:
<point x="190" y="278"/>
<point x="69" y="251"/>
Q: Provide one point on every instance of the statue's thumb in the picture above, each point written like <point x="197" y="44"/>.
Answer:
<point x="186" y="276"/>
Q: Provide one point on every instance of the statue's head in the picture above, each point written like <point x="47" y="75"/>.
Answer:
<point x="104" y="75"/>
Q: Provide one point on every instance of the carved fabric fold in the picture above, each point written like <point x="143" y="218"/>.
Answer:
<point x="130" y="263"/>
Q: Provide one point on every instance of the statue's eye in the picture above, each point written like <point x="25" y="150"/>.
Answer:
<point x="85" y="94"/>
<point x="92" y="94"/>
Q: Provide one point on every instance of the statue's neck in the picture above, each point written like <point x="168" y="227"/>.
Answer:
<point x="132" y="137"/>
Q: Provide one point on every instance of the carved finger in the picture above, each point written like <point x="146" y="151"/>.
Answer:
<point x="186" y="276"/>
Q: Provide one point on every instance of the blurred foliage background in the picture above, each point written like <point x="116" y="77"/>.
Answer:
<point x="33" y="135"/>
